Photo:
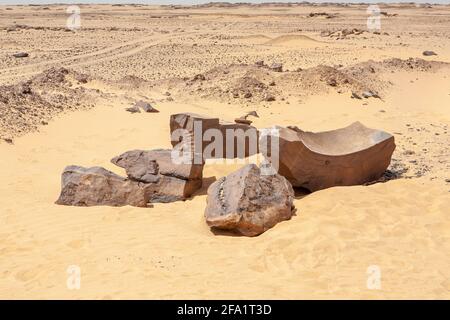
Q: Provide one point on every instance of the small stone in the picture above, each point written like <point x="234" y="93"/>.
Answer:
<point x="276" y="67"/>
<point x="145" y="106"/>
<point x="133" y="109"/>
<point x="355" y="95"/>
<point x="20" y="55"/>
<point x="428" y="53"/>
<point x="248" y="95"/>
<point x="243" y="121"/>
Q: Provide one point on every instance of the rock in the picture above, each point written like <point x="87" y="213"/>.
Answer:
<point x="253" y="114"/>
<point x="248" y="202"/>
<point x="332" y="82"/>
<point x="429" y="53"/>
<point x="368" y="94"/>
<point x="133" y="109"/>
<point x="81" y="77"/>
<point x="20" y="55"/>
<point x="145" y="106"/>
<point x="243" y="120"/>
<point x="98" y="186"/>
<point x="199" y="77"/>
<point x="259" y="63"/>
<point x="248" y="95"/>
<point x="24" y="88"/>
<point x="8" y="140"/>
<point x="171" y="181"/>
<point x="349" y="156"/>
<point x="152" y="177"/>
<point x="276" y="67"/>
<point x="355" y="95"/>
<point x="244" y="145"/>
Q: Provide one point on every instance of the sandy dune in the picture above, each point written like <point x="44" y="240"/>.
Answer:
<point x="402" y="226"/>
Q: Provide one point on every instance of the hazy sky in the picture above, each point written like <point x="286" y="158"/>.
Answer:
<point x="198" y="1"/>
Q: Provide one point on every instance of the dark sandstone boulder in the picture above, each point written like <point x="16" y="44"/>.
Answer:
<point x="98" y="186"/>
<point x="242" y="136"/>
<point x="152" y="177"/>
<point x="249" y="202"/>
<point x="173" y="181"/>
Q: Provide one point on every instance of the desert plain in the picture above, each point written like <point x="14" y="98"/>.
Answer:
<point x="64" y="103"/>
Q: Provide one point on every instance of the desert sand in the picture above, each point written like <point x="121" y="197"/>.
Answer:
<point x="127" y="53"/>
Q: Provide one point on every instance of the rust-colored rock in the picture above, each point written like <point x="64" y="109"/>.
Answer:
<point x="242" y="138"/>
<point x="249" y="202"/>
<point x="172" y="181"/>
<point x="349" y="156"/>
<point x="152" y="177"/>
<point x="97" y="186"/>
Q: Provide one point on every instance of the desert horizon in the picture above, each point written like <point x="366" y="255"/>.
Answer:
<point x="351" y="202"/>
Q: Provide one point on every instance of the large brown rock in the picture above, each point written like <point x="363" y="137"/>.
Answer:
<point x="98" y="186"/>
<point x="237" y="140"/>
<point x="248" y="202"/>
<point x="349" y="156"/>
<point x="173" y="181"/>
<point x="152" y="177"/>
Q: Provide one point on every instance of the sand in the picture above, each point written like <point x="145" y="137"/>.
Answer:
<point x="167" y="252"/>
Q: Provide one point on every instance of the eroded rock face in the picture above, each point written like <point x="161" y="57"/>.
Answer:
<point x="97" y="186"/>
<point x="348" y="156"/>
<point x="248" y="202"/>
<point x="152" y="177"/>
<point x="203" y="134"/>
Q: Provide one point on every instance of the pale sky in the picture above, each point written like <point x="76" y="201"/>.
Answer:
<point x="200" y="1"/>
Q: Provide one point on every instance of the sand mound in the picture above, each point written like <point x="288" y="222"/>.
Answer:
<point x="294" y="41"/>
<point x="28" y="104"/>
<point x="241" y="83"/>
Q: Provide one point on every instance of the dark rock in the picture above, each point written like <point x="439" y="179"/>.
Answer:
<point x="145" y="106"/>
<point x="133" y="109"/>
<point x="20" y="55"/>
<point x="98" y="186"/>
<point x="355" y="96"/>
<point x="188" y="121"/>
<point x="199" y="77"/>
<point x="243" y="120"/>
<point x="8" y="140"/>
<point x="428" y="53"/>
<point x="276" y="67"/>
<point x="332" y="82"/>
<point x="253" y="114"/>
<point x="81" y="78"/>
<point x="249" y="202"/>
<point x="348" y="156"/>
<point x="171" y="180"/>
